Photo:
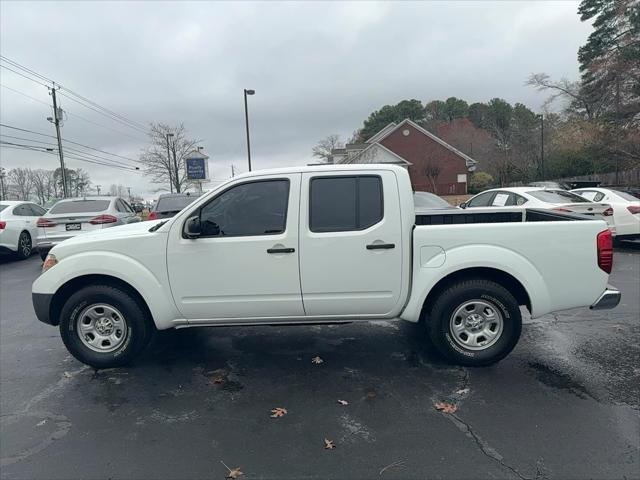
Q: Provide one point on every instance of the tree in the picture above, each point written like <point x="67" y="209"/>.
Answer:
<point x="81" y="182"/>
<point x="324" y="147"/>
<point x="39" y="179"/>
<point x="455" y="108"/>
<point x="411" y="109"/>
<point x="168" y="169"/>
<point x="21" y="179"/>
<point x="432" y="172"/>
<point x="479" y="182"/>
<point x="117" y="190"/>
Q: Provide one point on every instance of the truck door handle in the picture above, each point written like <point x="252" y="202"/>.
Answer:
<point x="381" y="246"/>
<point x="281" y="250"/>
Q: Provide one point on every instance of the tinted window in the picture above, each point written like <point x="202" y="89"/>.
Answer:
<point x="256" y="208"/>
<point x="345" y="203"/>
<point x="80" y="206"/>
<point x="557" y="196"/>
<point x="22" y="211"/>
<point x="589" y="195"/>
<point x="174" y="203"/>
<point x="482" y="200"/>
<point x="36" y="210"/>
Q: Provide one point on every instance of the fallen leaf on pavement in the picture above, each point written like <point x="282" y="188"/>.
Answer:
<point x="39" y="424"/>
<point x="343" y="402"/>
<point x="67" y="375"/>
<point x="462" y="391"/>
<point x="233" y="472"/>
<point x="317" y="360"/>
<point x="446" y="407"/>
<point x="328" y="444"/>
<point x="278" y="412"/>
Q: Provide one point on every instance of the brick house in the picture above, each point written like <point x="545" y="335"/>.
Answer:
<point x="433" y="164"/>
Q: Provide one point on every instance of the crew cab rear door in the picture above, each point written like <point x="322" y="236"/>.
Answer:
<point x="350" y="243"/>
<point x="245" y="262"/>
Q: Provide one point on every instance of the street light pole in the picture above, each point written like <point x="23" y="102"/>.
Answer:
<point x="541" y="146"/>
<point x="169" y="163"/>
<point x="246" y="119"/>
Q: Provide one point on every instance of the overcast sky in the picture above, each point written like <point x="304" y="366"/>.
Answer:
<point x="317" y="68"/>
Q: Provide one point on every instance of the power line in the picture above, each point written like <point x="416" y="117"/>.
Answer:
<point x="73" y="114"/>
<point x="23" y="75"/>
<point x="22" y="67"/>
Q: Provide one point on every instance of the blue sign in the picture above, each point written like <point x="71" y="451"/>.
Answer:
<point x="196" y="169"/>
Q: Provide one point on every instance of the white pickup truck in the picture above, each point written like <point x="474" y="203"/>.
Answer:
<point x="319" y="245"/>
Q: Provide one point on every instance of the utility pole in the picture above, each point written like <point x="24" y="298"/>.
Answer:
<point x="56" y="121"/>
<point x="175" y="169"/>
<point x="169" y="162"/>
<point x="542" y="145"/>
<point x="2" y="191"/>
<point x="98" y="188"/>
<point x="246" y="119"/>
<point x="129" y="190"/>
<point x="233" y="171"/>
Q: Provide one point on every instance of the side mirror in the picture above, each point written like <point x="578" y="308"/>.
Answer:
<point x="192" y="227"/>
<point x="463" y="205"/>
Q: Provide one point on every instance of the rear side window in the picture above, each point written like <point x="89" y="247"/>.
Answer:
<point x="37" y="210"/>
<point x="339" y="204"/>
<point x="80" y="206"/>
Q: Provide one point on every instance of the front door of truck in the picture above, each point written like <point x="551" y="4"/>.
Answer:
<point x="350" y="243"/>
<point x="245" y="262"/>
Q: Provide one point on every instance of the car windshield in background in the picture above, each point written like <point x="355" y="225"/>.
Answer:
<point x="429" y="200"/>
<point x="170" y="204"/>
<point x="557" y="196"/>
<point x="625" y="195"/>
<point x="80" y="206"/>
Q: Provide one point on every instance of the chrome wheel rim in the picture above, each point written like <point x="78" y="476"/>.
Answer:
<point x="25" y="244"/>
<point x="102" y="328"/>
<point x="476" y="325"/>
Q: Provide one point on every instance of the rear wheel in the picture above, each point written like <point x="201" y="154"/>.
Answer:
<point x="25" y="246"/>
<point x="104" y="326"/>
<point x="474" y="322"/>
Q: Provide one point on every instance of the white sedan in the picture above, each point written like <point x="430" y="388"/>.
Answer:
<point x="18" y="227"/>
<point x="626" y="209"/>
<point x="541" y="197"/>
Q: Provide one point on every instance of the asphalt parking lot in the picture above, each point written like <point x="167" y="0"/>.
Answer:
<point x="565" y="404"/>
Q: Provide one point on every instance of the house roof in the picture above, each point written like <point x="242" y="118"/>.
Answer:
<point x="401" y="161"/>
<point x="356" y="146"/>
<point x="392" y="127"/>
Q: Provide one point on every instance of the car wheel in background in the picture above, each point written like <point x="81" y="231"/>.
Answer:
<point x="104" y="326"/>
<point x="474" y="322"/>
<point x="25" y="247"/>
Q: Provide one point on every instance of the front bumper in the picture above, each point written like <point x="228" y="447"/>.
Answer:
<point x="42" y="307"/>
<point x="610" y="298"/>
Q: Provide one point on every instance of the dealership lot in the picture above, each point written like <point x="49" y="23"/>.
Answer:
<point x="564" y="404"/>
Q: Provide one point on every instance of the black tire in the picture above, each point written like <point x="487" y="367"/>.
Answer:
<point x="137" y="332"/>
<point x="439" y="322"/>
<point x="25" y="246"/>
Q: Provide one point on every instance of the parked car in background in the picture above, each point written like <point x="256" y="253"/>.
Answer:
<point x="626" y="209"/>
<point x="423" y="201"/>
<point x="18" y="229"/>
<point x="169" y="204"/>
<point x="540" y="197"/>
<point x="73" y="216"/>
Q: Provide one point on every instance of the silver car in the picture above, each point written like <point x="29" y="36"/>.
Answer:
<point x="73" y="216"/>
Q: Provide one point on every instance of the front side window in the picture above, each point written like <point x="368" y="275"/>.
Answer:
<point x="338" y="204"/>
<point x="255" y="208"/>
<point x="482" y="200"/>
<point x="22" y="211"/>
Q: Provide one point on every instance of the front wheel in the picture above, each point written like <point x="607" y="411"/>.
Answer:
<point x="104" y="326"/>
<point x="474" y="322"/>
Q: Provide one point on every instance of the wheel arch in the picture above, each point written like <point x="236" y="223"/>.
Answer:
<point x="506" y="280"/>
<point x="73" y="285"/>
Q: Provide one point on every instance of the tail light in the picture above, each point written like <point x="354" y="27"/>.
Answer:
<point x="635" y="209"/>
<point x="153" y="216"/>
<point x="608" y="212"/>
<point x="45" y="223"/>
<point x="604" y="240"/>
<point x="101" y="219"/>
<point x="560" y="209"/>
<point x="3" y="225"/>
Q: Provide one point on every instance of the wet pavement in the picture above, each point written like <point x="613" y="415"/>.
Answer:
<point x="565" y="404"/>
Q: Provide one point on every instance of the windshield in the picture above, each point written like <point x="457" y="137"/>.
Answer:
<point x="557" y="196"/>
<point x="80" y="206"/>
<point x="170" y="204"/>
<point x="625" y="195"/>
<point x="429" y="200"/>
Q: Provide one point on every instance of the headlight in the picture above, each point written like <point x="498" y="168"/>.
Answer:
<point x="49" y="262"/>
